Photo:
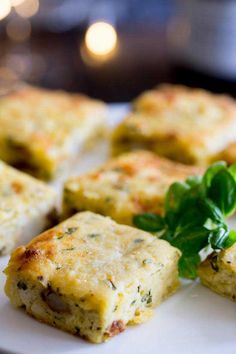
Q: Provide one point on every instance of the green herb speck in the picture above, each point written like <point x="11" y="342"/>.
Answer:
<point x="69" y="249"/>
<point x="147" y="297"/>
<point x="93" y="235"/>
<point x="70" y="230"/>
<point x="147" y="261"/>
<point x="138" y="240"/>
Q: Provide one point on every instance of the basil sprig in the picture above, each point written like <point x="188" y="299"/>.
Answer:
<point x="194" y="215"/>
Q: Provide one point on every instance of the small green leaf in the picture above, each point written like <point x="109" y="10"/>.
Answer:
<point x="231" y="239"/>
<point x="218" y="237"/>
<point x="190" y="218"/>
<point x="174" y="195"/>
<point x="173" y="200"/>
<point x="194" y="181"/>
<point x="191" y="241"/>
<point x="232" y="170"/>
<point x="188" y="266"/>
<point x="212" y="171"/>
<point x="222" y="191"/>
<point x="210" y="210"/>
<point x="149" y="222"/>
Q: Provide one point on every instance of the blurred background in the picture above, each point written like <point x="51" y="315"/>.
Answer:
<point x="114" y="49"/>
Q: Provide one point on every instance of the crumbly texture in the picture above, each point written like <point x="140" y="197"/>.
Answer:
<point x="133" y="183"/>
<point x="26" y="206"/>
<point x="218" y="272"/>
<point x="50" y="127"/>
<point x="91" y="276"/>
<point x="188" y="125"/>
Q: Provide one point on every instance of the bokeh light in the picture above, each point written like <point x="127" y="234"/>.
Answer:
<point x="101" y="38"/>
<point x="5" y="8"/>
<point x="27" y="8"/>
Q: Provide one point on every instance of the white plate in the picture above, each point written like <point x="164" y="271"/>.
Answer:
<point x="193" y="321"/>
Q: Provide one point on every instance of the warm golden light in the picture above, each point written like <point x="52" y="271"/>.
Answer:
<point x="18" y="29"/>
<point x="27" y="8"/>
<point x="101" y="38"/>
<point x="5" y="8"/>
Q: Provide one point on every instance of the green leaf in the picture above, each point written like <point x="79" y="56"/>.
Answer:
<point x="149" y="222"/>
<point x="191" y="240"/>
<point x="210" y="210"/>
<point x="218" y="237"/>
<point x="173" y="200"/>
<point x="192" y="217"/>
<point x="174" y="196"/>
<point x="194" y="181"/>
<point x="188" y="266"/>
<point x="232" y="170"/>
<point x="222" y="191"/>
<point x="231" y="239"/>
<point x="212" y="171"/>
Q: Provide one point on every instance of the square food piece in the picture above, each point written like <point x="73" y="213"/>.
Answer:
<point x="91" y="276"/>
<point x="188" y="125"/>
<point x="218" y="272"/>
<point x="133" y="183"/>
<point x="42" y="130"/>
<point x="27" y="207"/>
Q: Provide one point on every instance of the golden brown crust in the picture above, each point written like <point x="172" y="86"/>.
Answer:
<point x="89" y="275"/>
<point x="50" y="127"/>
<point x="132" y="183"/>
<point x="188" y="125"/>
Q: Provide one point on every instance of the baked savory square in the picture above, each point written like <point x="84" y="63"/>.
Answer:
<point x="218" y="272"/>
<point x="91" y="276"/>
<point x="188" y="125"/>
<point x="42" y="130"/>
<point x="27" y="207"/>
<point x="132" y="183"/>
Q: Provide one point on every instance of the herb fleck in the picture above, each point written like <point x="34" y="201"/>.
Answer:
<point x="147" y="261"/>
<point x="93" y="235"/>
<point x="77" y="329"/>
<point x="69" y="249"/>
<point x="60" y="237"/>
<point x="214" y="262"/>
<point x="147" y="297"/>
<point x="138" y="240"/>
<point x="22" y="285"/>
<point x="70" y="230"/>
<point x="111" y="284"/>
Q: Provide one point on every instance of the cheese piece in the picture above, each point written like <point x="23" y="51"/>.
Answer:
<point x="218" y="272"/>
<point x="188" y="125"/>
<point x="42" y="130"/>
<point x="27" y="207"/>
<point x="91" y="276"/>
<point x="133" y="183"/>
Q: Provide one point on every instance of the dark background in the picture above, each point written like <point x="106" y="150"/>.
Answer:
<point x="50" y="55"/>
